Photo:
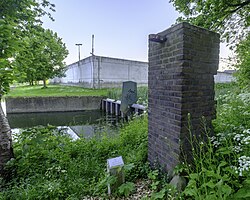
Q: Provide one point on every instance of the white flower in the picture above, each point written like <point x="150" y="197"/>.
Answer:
<point x="244" y="165"/>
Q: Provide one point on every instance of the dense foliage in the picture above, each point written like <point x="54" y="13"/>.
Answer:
<point x="231" y="18"/>
<point x="222" y="169"/>
<point x="41" y="58"/>
<point x="50" y="165"/>
<point x="17" y="18"/>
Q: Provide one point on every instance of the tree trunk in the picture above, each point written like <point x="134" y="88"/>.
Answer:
<point x="44" y="83"/>
<point x="6" y="150"/>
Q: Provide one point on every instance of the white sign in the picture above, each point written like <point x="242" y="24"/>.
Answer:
<point x="115" y="162"/>
<point x="113" y="165"/>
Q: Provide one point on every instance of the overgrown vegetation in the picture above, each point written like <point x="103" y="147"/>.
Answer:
<point x="222" y="170"/>
<point x="50" y="165"/>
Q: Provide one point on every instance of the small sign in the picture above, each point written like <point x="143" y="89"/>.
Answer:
<point x="129" y="95"/>
<point x="115" y="162"/>
<point x="114" y="169"/>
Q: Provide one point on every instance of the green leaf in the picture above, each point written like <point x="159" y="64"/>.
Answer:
<point x="211" y="197"/>
<point x="194" y="176"/>
<point x="126" y="188"/>
<point x="243" y="193"/>
<point x="227" y="190"/>
<point x="158" y="195"/>
<point x="210" y="184"/>
<point x="128" y="167"/>
<point x="222" y="164"/>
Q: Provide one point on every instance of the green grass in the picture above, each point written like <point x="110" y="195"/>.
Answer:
<point x="55" y="91"/>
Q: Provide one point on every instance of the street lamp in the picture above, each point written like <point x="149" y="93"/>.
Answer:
<point x="79" y="51"/>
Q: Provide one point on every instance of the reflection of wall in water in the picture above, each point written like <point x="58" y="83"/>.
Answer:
<point x="26" y="120"/>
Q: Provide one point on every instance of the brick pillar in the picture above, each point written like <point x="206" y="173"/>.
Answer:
<point x="182" y="63"/>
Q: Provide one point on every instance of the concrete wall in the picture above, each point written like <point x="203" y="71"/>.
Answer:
<point x="181" y="81"/>
<point x="111" y="72"/>
<point x="79" y="73"/>
<point x="51" y="104"/>
<point x="101" y="72"/>
<point x="104" y="72"/>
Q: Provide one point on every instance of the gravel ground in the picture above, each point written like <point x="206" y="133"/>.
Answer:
<point x="142" y="190"/>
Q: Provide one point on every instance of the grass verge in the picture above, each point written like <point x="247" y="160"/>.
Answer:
<point x="55" y="90"/>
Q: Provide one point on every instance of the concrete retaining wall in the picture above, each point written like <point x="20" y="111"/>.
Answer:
<point x="51" y="104"/>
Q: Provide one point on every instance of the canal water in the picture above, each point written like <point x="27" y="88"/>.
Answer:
<point x="78" y="124"/>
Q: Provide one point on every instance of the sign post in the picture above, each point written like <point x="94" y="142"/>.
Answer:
<point x="114" y="168"/>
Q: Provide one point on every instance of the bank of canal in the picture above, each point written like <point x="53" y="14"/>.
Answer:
<point x="82" y="115"/>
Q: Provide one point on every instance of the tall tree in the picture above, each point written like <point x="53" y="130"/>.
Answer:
<point x="52" y="55"/>
<point x="42" y="58"/>
<point x="16" y="17"/>
<point x="231" y="18"/>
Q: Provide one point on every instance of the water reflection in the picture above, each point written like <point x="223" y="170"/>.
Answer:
<point x="77" y="124"/>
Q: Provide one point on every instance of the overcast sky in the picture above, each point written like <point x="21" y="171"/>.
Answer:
<point x="121" y="27"/>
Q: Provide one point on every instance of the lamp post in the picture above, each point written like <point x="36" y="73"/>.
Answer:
<point x="79" y="51"/>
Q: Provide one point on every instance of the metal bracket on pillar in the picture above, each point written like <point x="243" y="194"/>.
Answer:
<point x="157" y="38"/>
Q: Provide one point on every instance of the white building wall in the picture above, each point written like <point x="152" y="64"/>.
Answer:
<point x="101" y="72"/>
<point x="111" y="72"/>
<point x="78" y="73"/>
<point x="223" y="77"/>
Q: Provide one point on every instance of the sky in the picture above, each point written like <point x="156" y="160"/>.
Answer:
<point x="120" y="27"/>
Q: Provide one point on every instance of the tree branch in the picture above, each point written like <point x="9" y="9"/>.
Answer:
<point x="239" y="4"/>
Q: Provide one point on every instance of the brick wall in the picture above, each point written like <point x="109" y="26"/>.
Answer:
<point x="181" y="81"/>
